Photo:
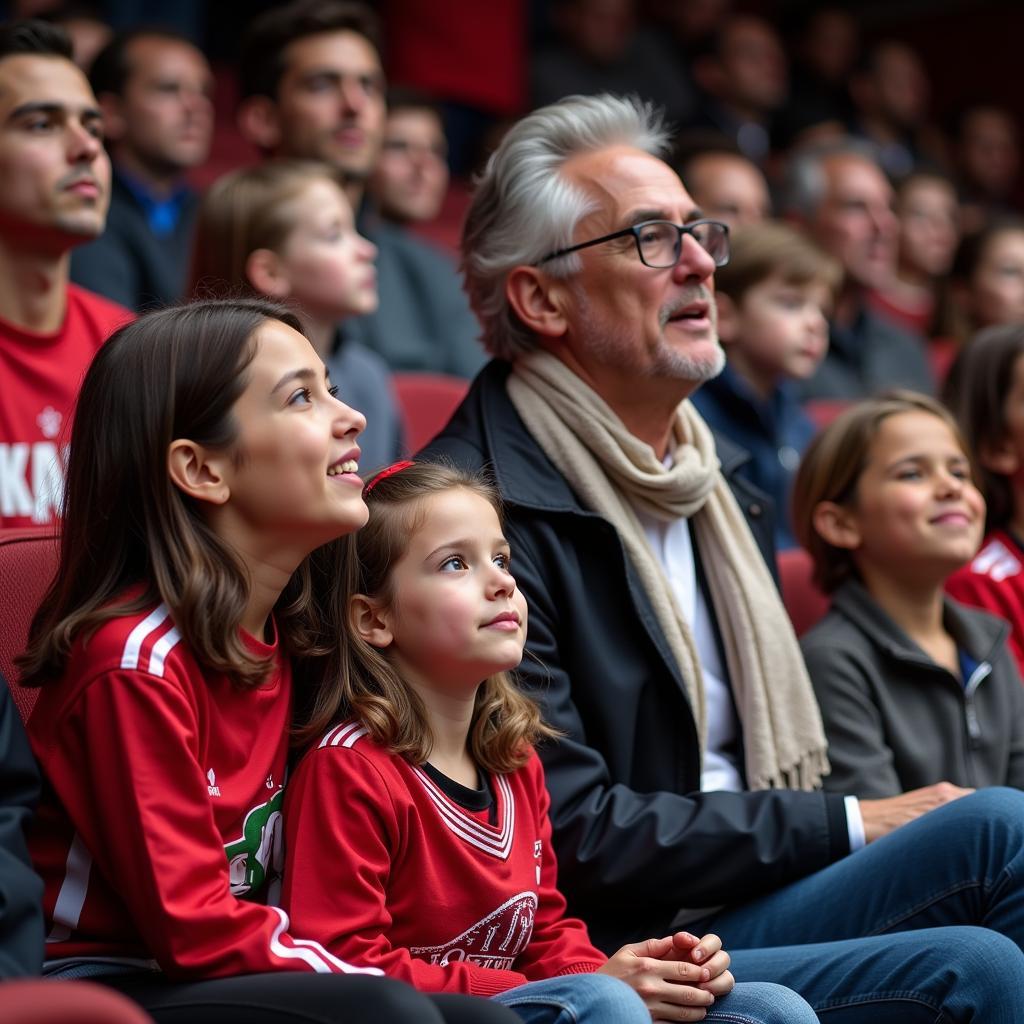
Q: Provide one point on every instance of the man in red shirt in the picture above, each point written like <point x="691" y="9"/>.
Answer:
<point x="54" y="191"/>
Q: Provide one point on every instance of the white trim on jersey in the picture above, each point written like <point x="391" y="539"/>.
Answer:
<point x="68" y="907"/>
<point x="137" y="637"/>
<point x="997" y="561"/>
<point x="466" y="827"/>
<point x="310" y="952"/>
<point x="344" y="735"/>
<point x="161" y="649"/>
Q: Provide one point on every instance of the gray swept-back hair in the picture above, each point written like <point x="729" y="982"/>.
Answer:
<point x="523" y="208"/>
<point x="804" y="181"/>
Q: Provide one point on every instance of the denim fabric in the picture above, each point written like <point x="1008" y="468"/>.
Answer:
<point x="925" y="924"/>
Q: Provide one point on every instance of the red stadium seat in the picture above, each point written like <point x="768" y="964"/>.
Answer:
<point x="28" y="560"/>
<point x="426" y="401"/>
<point x="823" y="411"/>
<point x="805" y="603"/>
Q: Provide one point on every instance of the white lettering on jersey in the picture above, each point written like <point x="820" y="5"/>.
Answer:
<point x="32" y="479"/>
<point x="49" y="421"/>
<point x="512" y="921"/>
<point x="997" y="561"/>
<point x="213" y="789"/>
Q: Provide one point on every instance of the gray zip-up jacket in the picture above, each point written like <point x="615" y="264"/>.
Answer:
<point x="895" y="719"/>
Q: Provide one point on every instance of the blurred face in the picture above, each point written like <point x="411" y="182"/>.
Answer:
<point x="54" y="172"/>
<point x="328" y="264"/>
<point x="855" y="222"/>
<point x="456" y="617"/>
<point x="929" y="232"/>
<point x="831" y="43"/>
<point x="627" y="321"/>
<point x="165" y="117"/>
<point x="916" y="509"/>
<point x="902" y="85"/>
<point x="294" y="475"/>
<point x="330" y="102"/>
<point x="989" y="152"/>
<point x="782" y="327"/>
<point x="599" y="29"/>
<point x="754" y="64"/>
<point x="730" y="189"/>
<point x="997" y="287"/>
<point x="410" y="178"/>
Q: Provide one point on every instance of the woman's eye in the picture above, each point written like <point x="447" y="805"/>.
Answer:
<point x="300" y="397"/>
<point x="333" y="390"/>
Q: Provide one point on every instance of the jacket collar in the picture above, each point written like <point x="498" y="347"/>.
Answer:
<point x="979" y="634"/>
<point x="524" y="474"/>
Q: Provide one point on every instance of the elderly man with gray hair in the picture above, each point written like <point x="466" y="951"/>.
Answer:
<point x="685" y="787"/>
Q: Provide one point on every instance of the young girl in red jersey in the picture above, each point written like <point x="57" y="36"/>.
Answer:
<point x="209" y="460"/>
<point x="417" y="824"/>
<point x="986" y="393"/>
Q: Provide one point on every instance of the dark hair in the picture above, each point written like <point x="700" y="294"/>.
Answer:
<point x="174" y="373"/>
<point x="261" y="63"/>
<point x="976" y="389"/>
<point x="831" y="468"/>
<point x="112" y="67"/>
<point x="404" y="97"/>
<point x="36" y="37"/>
<point x="505" y="721"/>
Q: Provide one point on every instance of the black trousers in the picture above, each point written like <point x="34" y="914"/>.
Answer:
<point x="287" y="997"/>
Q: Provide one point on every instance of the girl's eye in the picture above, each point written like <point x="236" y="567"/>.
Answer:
<point x="453" y="564"/>
<point x="502" y="561"/>
<point x="908" y="474"/>
<point x="300" y="397"/>
<point x="333" y="390"/>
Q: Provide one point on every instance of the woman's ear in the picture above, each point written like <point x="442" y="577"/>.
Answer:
<point x="728" y="316"/>
<point x="836" y="525"/>
<point x="197" y="472"/>
<point x="536" y="299"/>
<point x="367" y="618"/>
<point x="1001" y="458"/>
<point x="265" y="271"/>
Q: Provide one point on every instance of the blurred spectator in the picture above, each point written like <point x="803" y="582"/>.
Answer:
<point x="929" y="232"/>
<point x="890" y="92"/>
<point x="987" y="155"/>
<point x="601" y="49"/>
<point x="313" y="88"/>
<point x="155" y="90"/>
<point x="88" y="30"/>
<point x="987" y="280"/>
<point x="825" y="54"/>
<point x="774" y="296"/>
<point x="744" y="78"/>
<point x="284" y="229"/>
<point x="54" y="190"/>
<point x="727" y="187"/>
<point x="839" y="194"/>
<point x="410" y="179"/>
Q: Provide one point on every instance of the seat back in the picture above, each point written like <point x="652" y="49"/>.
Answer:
<point x="805" y="603"/>
<point x="28" y="561"/>
<point x="426" y="401"/>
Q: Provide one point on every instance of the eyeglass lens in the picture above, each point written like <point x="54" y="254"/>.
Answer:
<point x="661" y="242"/>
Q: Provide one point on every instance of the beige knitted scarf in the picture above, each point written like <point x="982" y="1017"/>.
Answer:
<point x="614" y="473"/>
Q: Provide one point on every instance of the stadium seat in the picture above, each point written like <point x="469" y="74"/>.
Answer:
<point x="805" y="603"/>
<point x="426" y="402"/>
<point x="823" y="411"/>
<point x="28" y="560"/>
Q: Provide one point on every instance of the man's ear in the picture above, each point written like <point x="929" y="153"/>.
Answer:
<point x="836" y="525"/>
<point x="538" y="300"/>
<point x="1001" y="458"/>
<point x="259" y="122"/>
<point x="728" y="316"/>
<point x="265" y="271"/>
<point x="113" y="118"/>
<point x="367" y="618"/>
<point x="197" y="472"/>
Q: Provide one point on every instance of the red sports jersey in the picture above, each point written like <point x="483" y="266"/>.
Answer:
<point x="40" y="375"/>
<point x="384" y="868"/>
<point x="994" y="581"/>
<point x="159" y="830"/>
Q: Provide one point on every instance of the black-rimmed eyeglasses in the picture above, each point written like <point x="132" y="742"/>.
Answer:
<point x="659" y="242"/>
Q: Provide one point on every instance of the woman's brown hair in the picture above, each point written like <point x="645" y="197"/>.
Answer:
<point x="831" y="469"/>
<point x="976" y="389"/>
<point x="248" y="209"/>
<point x="505" y="722"/>
<point x="129" y="537"/>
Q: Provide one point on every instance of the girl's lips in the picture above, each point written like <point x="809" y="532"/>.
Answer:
<point x="505" y="621"/>
<point x="952" y="519"/>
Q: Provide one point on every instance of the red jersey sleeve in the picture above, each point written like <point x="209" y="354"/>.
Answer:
<point x="123" y="755"/>
<point x="343" y="829"/>
<point x="560" y="944"/>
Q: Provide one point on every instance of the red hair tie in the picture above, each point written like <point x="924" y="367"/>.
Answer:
<point x="395" y="467"/>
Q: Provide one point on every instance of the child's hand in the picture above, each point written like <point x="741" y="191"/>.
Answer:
<point x="670" y="984"/>
<point x="707" y="952"/>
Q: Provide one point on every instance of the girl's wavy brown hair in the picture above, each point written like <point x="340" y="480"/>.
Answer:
<point x="506" y="723"/>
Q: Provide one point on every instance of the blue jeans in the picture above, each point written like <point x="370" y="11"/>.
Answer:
<point x="926" y="924"/>
<point x="599" y="999"/>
